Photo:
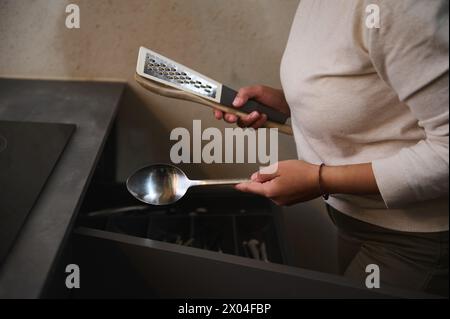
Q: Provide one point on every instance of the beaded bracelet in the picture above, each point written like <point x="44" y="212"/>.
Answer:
<point x="324" y="194"/>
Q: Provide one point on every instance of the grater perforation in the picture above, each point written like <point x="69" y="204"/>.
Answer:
<point x="174" y="74"/>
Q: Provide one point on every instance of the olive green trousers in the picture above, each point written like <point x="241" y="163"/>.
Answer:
<point x="414" y="261"/>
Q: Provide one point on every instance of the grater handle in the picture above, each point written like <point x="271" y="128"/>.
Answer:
<point x="227" y="98"/>
<point x="167" y="91"/>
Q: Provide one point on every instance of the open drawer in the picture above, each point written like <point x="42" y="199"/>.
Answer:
<point x="186" y="251"/>
<point x="115" y="265"/>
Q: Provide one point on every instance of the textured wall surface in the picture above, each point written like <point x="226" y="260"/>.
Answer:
<point x="238" y="42"/>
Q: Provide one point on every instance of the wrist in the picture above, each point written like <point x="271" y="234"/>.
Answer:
<point x="348" y="179"/>
<point x="322" y="190"/>
<point x="328" y="179"/>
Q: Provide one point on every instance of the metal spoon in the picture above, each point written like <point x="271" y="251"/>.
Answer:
<point x="163" y="184"/>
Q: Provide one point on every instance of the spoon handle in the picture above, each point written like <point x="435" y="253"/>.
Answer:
<point x="219" y="182"/>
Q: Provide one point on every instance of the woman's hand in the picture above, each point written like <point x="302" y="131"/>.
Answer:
<point x="295" y="181"/>
<point x="266" y="95"/>
<point x="298" y="181"/>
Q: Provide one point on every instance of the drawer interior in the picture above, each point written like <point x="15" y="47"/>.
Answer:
<point x="219" y="220"/>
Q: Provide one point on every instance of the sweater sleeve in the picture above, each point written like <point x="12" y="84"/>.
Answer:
<point x="410" y="53"/>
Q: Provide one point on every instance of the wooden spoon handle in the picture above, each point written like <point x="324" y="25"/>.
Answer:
<point x="168" y="91"/>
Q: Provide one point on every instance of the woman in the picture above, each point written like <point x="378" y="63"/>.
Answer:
<point x="369" y="109"/>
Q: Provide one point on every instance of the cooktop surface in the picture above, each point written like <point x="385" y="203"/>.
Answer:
<point x="28" y="154"/>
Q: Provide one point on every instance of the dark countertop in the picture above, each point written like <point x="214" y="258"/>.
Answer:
<point x="92" y="107"/>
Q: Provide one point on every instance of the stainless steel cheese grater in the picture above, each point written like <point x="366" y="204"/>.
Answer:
<point x="156" y="67"/>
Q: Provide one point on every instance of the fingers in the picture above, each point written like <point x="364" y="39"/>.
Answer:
<point x="259" y="177"/>
<point x="260" y="122"/>
<point x="262" y="178"/>
<point x="261" y="184"/>
<point x="230" y="118"/>
<point x="252" y="187"/>
<point x="258" y="184"/>
<point x="246" y="93"/>
<point x="266" y="173"/>
<point x="254" y="119"/>
<point x="249" y="119"/>
<point x="218" y="114"/>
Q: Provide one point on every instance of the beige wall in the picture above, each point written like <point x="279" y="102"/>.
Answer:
<point x="238" y="42"/>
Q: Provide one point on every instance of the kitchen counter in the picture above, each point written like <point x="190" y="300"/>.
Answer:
<point x="92" y="107"/>
<point x="141" y="266"/>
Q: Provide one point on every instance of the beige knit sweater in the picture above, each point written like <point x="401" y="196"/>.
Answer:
<point x="378" y="95"/>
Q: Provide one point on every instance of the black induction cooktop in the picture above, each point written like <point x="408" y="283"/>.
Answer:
<point x="28" y="153"/>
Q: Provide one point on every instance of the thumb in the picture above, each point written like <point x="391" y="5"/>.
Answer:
<point x="251" y="187"/>
<point x="266" y="174"/>
<point x="262" y="178"/>
<point x="246" y="93"/>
